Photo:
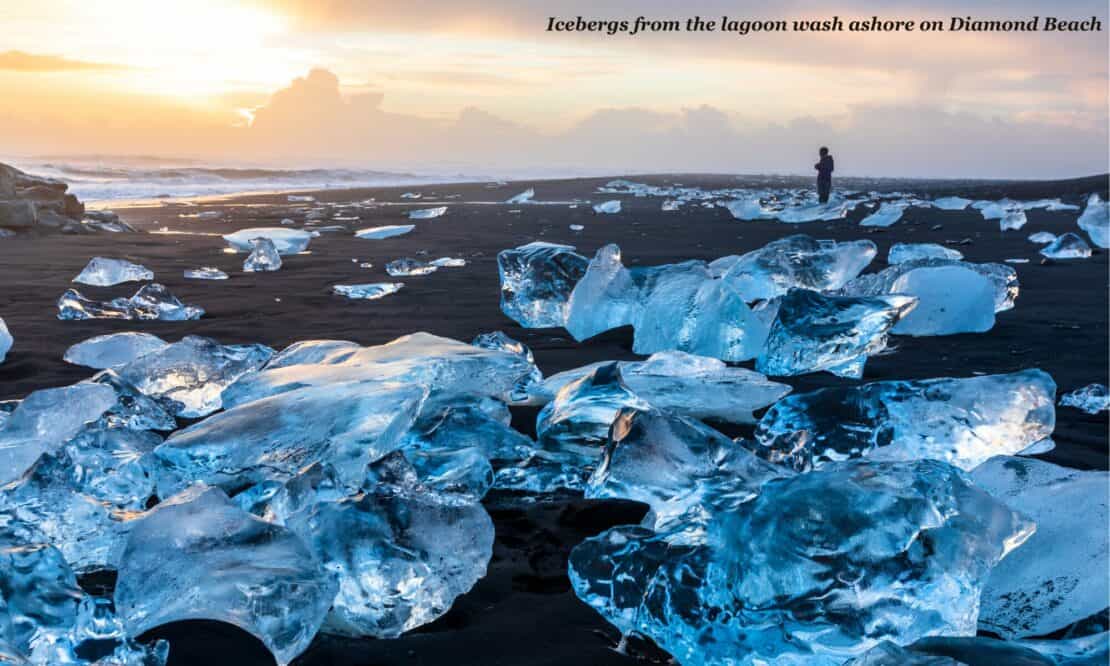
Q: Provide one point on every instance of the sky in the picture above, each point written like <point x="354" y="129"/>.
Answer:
<point x="480" y="84"/>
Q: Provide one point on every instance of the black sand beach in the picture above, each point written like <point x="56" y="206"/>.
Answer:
<point x="523" y="612"/>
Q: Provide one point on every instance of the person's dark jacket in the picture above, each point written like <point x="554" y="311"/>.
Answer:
<point x="824" y="168"/>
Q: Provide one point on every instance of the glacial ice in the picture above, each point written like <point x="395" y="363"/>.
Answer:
<point x="286" y="241"/>
<point x="536" y="281"/>
<point x="105" y="272"/>
<point x="407" y="267"/>
<point x="835" y="209"/>
<point x="109" y="351"/>
<point x="1042" y="237"/>
<point x="951" y="203"/>
<point x="427" y="213"/>
<point x="523" y="197"/>
<point x="798" y="261"/>
<point x="1058" y="577"/>
<point x="888" y="213"/>
<point x="1004" y="279"/>
<point x="608" y="207"/>
<point x="1012" y="219"/>
<point x="1095" y="220"/>
<point x="368" y="292"/>
<point x="448" y="262"/>
<point x="1067" y="246"/>
<point x="389" y="231"/>
<point x="816" y="569"/>
<point x="606" y="296"/>
<point x="1092" y="398"/>
<point x="264" y="257"/>
<point x="193" y="371"/>
<point x="812" y="332"/>
<point x="903" y="252"/>
<point x="1090" y="650"/>
<point x="962" y="421"/>
<point x="198" y="556"/>
<point x="150" y="302"/>
<point x="6" y="340"/>
<point x="205" y="273"/>
<point x="498" y="341"/>
<point x="313" y="351"/>
<point x="950" y="299"/>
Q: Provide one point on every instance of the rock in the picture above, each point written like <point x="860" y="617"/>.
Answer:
<point x="17" y="214"/>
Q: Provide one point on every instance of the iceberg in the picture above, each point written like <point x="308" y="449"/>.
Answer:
<point x="367" y="292"/>
<point x="1067" y="246"/>
<point x="798" y="261"/>
<point x="6" y="340"/>
<point x="887" y="214"/>
<point x="192" y="372"/>
<point x="836" y="334"/>
<point x="1092" y="398"/>
<point x="197" y="556"/>
<point x="1042" y="237"/>
<point x="105" y="272"/>
<point x="523" y="197"/>
<point x="1012" y="219"/>
<point x="950" y="300"/>
<point x="286" y="241"/>
<point x="205" y="273"/>
<point x="1095" y="220"/>
<point x="389" y="231"/>
<point x="1058" y="577"/>
<point x="150" y="302"/>
<point x="263" y="258"/>
<point x="951" y="203"/>
<point x="815" y="569"/>
<point x="114" y="349"/>
<point x="961" y="421"/>
<point x="903" y="252"/>
<point x="427" y="213"/>
<point x="608" y="207"/>
<point x="536" y="281"/>
<point x="1004" y="279"/>
<point x="407" y="267"/>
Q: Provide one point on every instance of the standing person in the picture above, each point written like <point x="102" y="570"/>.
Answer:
<point x="824" y="175"/>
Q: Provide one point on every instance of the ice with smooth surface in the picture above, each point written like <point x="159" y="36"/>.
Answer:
<point x="962" y="421"/>
<point x="264" y="257"/>
<point x="798" y="261"/>
<point x="109" y="351"/>
<point x="345" y="425"/>
<point x="812" y="332"/>
<point x="887" y="214"/>
<point x="1095" y="220"/>
<point x="1003" y="277"/>
<point x="1042" y="237"/>
<point x="816" y="569"/>
<point x="903" y="252"/>
<point x="368" y="292"/>
<point x="6" y="340"/>
<point x="523" y="197"/>
<point x="950" y="300"/>
<point x="1092" y="398"/>
<point x="448" y="262"/>
<point x="608" y="207"/>
<point x="150" y="302"/>
<point x="835" y="209"/>
<point x="536" y="281"/>
<point x="1067" y="246"/>
<point x="606" y="296"/>
<point x="951" y="203"/>
<point x="197" y="556"/>
<point x="389" y="231"/>
<point x="498" y="341"/>
<point x="105" y="272"/>
<point x="427" y="213"/>
<point x="286" y="241"/>
<point x="407" y="267"/>
<point x="193" y="371"/>
<point x="205" y="273"/>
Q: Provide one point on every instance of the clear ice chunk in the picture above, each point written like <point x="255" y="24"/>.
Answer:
<point x="606" y="297"/>
<point x="150" y="302"/>
<point x="523" y="197"/>
<point x="389" y="231"/>
<point x="427" y="213"/>
<point x="407" y="267"/>
<point x="1095" y="220"/>
<point x="1058" y="577"/>
<point x="1092" y="398"/>
<point x="812" y="333"/>
<point x="498" y="341"/>
<point x="1003" y="277"/>
<point x="1067" y="246"/>
<point x="109" y="351"/>
<point x="205" y="273"/>
<point x="193" y="371"/>
<point x="798" y="261"/>
<point x="367" y="292"/>
<point x="608" y="207"/>
<point x="264" y="257"/>
<point x="951" y="203"/>
<point x="6" y="340"/>
<point x="1012" y="219"/>
<point x="816" y="569"/>
<point x="963" y="421"/>
<point x="197" y="556"/>
<point x="448" y="262"/>
<point x="887" y="214"/>
<point x="286" y="241"/>
<point x="536" y="281"/>
<point x="313" y="351"/>
<point x="1042" y="237"/>
<point x="105" y="272"/>
<point x="950" y="300"/>
<point x="903" y="252"/>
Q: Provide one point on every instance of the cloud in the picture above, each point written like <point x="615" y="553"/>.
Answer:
<point x="20" y="61"/>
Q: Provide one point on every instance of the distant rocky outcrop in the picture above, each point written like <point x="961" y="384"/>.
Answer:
<point x="35" y="204"/>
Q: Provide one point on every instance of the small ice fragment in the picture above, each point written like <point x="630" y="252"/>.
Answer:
<point x="105" y="272"/>
<point x="411" y="195"/>
<point x="888" y="214"/>
<point x="301" y="198"/>
<point x="1013" y="219"/>
<point x="1042" y="237"/>
<point x="369" y="292"/>
<point x="152" y="301"/>
<point x="576" y="227"/>
<point x="287" y="222"/>
<point x="1095" y="220"/>
<point x="523" y="197"/>
<point x="366" y="264"/>
<point x="286" y="241"/>
<point x="1067" y="246"/>
<point x="448" y="262"/>
<point x="205" y="273"/>
<point x="378" y="233"/>
<point x="608" y="207"/>
<point x="1016" y="261"/>
<point x="902" y="252"/>
<point x="109" y="351"/>
<point x="6" y="340"/>
<point x="427" y="213"/>
<point x="951" y="203"/>
<point x="671" y="205"/>
<point x="407" y="267"/>
<point x="1092" y="398"/>
<point x="263" y="258"/>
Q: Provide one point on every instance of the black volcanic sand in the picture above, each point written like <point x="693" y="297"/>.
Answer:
<point x="523" y="611"/>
